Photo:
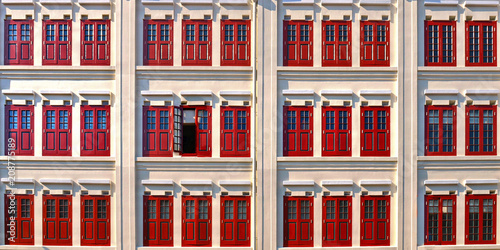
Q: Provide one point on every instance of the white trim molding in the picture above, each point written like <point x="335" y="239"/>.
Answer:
<point x="18" y="92"/>
<point x="297" y="92"/>
<point x="441" y="2"/>
<point x="94" y="182"/>
<point x="298" y="183"/>
<point x="441" y="92"/>
<point x="235" y="93"/>
<point x="374" y="2"/>
<point x="196" y="93"/>
<point x="94" y="92"/>
<point x="196" y="183"/>
<point x="482" y="182"/>
<point x="234" y="183"/>
<point x="56" y="181"/>
<point x="440" y="182"/>
<point x="337" y="183"/>
<point x="375" y="92"/>
<point x="157" y="93"/>
<point x="336" y="92"/>
<point x="158" y="182"/>
<point x="56" y="92"/>
<point x="482" y="92"/>
<point x="375" y="182"/>
<point x="7" y="180"/>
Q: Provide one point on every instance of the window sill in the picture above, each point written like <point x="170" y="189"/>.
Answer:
<point x="198" y="248"/>
<point x="455" y="247"/>
<point x="459" y="158"/>
<point x="193" y="68"/>
<point x="55" y="247"/>
<point x="60" y="158"/>
<point x="56" y="68"/>
<point x="195" y="159"/>
<point x="336" y="159"/>
<point x="341" y="248"/>
<point x="334" y="69"/>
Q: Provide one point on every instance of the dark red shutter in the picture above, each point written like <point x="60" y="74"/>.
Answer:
<point x="158" y="42"/>
<point x="21" y="131"/>
<point x="235" y="42"/>
<point x="337" y="49"/>
<point x="197" y="49"/>
<point x="298" y="43"/>
<point x="157" y="131"/>
<point x="203" y="131"/>
<point x="298" y="221"/>
<point x="235" y="221"/>
<point x="56" y="49"/>
<point x="177" y="124"/>
<point x="235" y="131"/>
<point x="23" y="221"/>
<point x="480" y="219"/>
<point x="95" y="216"/>
<point x="18" y="47"/>
<point x="158" y="221"/>
<point x="375" y="220"/>
<point x="375" y="131"/>
<point x="436" y="34"/>
<point x="57" y="138"/>
<point x="57" y="225"/>
<point x="95" y="134"/>
<point x="481" y="135"/>
<point x="297" y="132"/>
<point x="197" y="226"/>
<point x="483" y="52"/>
<point x="440" y="219"/>
<point x="375" y="41"/>
<point x="336" y="134"/>
<point x="95" y="37"/>
<point x="337" y="221"/>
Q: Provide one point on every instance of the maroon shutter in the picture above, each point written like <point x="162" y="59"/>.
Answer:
<point x="197" y="51"/>
<point x="235" y="43"/>
<point x="21" y="131"/>
<point x="19" y="48"/>
<point x="375" y="41"/>
<point x="297" y="43"/>
<point x="63" y="133"/>
<point x="298" y="221"/>
<point x="57" y="228"/>
<point x="24" y="223"/>
<point x="95" y="49"/>
<point x="375" y="131"/>
<point x="56" y="48"/>
<point x="158" y="47"/>
<point x="203" y="131"/>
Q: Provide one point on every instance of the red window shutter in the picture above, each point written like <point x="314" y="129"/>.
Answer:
<point x="480" y="219"/>
<point x="481" y="43"/>
<point x="178" y="131"/>
<point x="23" y="221"/>
<point x="337" y="49"/>
<point x="235" y="221"/>
<point x="56" y="49"/>
<point x="337" y="221"/>
<point x="95" y="37"/>
<point x="157" y="131"/>
<point x="440" y="130"/>
<point x="203" y="131"/>
<point x="298" y="131"/>
<point x="21" y="131"/>
<point x="95" y="225"/>
<point x="158" y="221"/>
<point x="56" y="130"/>
<point x="480" y="125"/>
<point x="197" y="42"/>
<point x="375" y="43"/>
<point x="375" y="220"/>
<point x="57" y="220"/>
<point x="197" y="221"/>
<point x="298" y="43"/>
<point x="95" y="126"/>
<point x="440" y="219"/>
<point x="158" y="42"/>
<point x="438" y="50"/>
<point x="375" y="131"/>
<point x="298" y="221"/>
<point x="235" y="42"/>
<point x="19" y="43"/>
<point x="336" y="124"/>
<point x="235" y="131"/>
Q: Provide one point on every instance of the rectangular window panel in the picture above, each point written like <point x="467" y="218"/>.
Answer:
<point x="158" y="42"/>
<point x="298" y="43"/>
<point x="440" y="130"/>
<point x="298" y="131"/>
<point x="19" y="42"/>
<point x="95" y="136"/>
<point x="197" y="221"/>
<point x="440" y="43"/>
<point x="480" y="47"/>
<point x="337" y="221"/>
<point x="158" y="220"/>
<point x="95" y="44"/>
<point x="375" y="220"/>
<point x="19" y="210"/>
<point x="57" y="220"/>
<point x="375" y="43"/>
<point x="235" y="43"/>
<point x="197" y="42"/>
<point x="235" y="222"/>
<point x="298" y="221"/>
<point x="480" y="219"/>
<point x="56" y="138"/>
<point x="375" y="131"/>
<point x="480" y="136"/>
<point x="440" y="219"/>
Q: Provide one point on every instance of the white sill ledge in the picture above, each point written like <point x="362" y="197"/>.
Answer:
<point x="458" y="69"/>
<point x="57" y="247"/>
<point x="336" y="159"/>
<point x="337" y="69"/>
<point x="56" y="68"/>
<point x="195" y="159"/>
<point x="459" y="247"/>
<point x="60" y="158"/>
<point x="459" y="158"/>
<point x="198" y="248"/>
<point x="193" y="68"/>
<point x="340" y="248"/>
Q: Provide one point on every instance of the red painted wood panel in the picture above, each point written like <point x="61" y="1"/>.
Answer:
<point x="375" y="43"/>
<point x="18" y="42"/>
<point x="22" y="224"/>
<point x="56" y="44"/>
<point x="57" y="220"/>
<point x="298" y="43"/>
<point x="95" y="42"/>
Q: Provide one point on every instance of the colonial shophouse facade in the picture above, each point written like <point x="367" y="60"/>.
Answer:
<point x="235" y="124"/>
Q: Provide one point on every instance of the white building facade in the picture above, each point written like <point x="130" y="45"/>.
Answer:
<point x="234" y="124"/>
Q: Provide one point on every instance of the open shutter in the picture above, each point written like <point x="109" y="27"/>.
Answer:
<point x="178" y="123"/>
<point x="203" y="131"/>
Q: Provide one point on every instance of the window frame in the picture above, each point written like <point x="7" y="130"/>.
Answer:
<point x="440" y="24"/>
<point x="375" y="199"/>
<point x="235" y="242"/>
<point x="57" y="131"/>
<point x="440" y="241"/>
<point x="159" y="46"/>
<point x="158" y="221"/>
<point x="481" y="24"/>
<point x="158" y="132"/>
<point x="298" y="44"/>
<point x="336" y="45"/>
<point x="58" y="46"/>
<point x="440" y="108"/>
<point x="336" y="241"/>
<point x="95" y="44"/>
<point x="336" y="132"/>
<point x="481" y="124"/>
<point x="225" y="45"/>
<point x="298" y="130"/>
<point x="235" y="133"/>
<point x="481" y="198"/>
<point x="57" y="220"/>
<point x="19" y="132"/>
<point x="299" y="243"/>
<point x="197" y="60"/>
<point x="197" y="242"/>
<point x="96" y="221"/>
<point x="20" y="221"/>
<point x="376" y="131"/>
<point x="95" y="151"/>
<point x="375" y="62"/>
<point x="19" y="45"/>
